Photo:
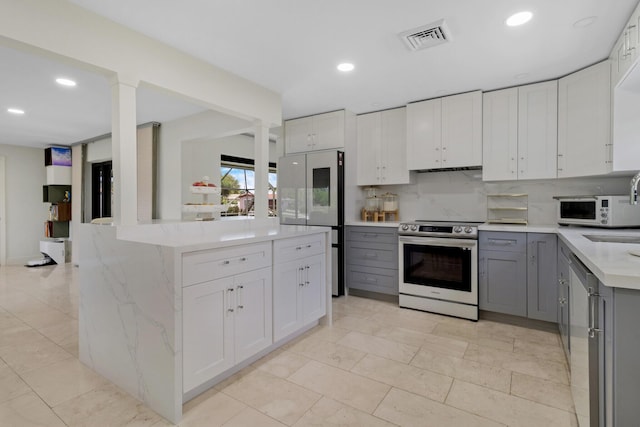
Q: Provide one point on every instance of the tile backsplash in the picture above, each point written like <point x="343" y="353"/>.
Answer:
<point x="462" y="195"/>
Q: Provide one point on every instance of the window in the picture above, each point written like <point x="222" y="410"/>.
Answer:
<point x="238" y="186"/>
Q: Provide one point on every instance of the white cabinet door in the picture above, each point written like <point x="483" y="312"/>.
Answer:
<point x="298" y="135"/>
<point x="369" y="143"/>
<point x="314" y="290"/>
<point x="584" y="122"/>
<point x="424" y="134"/>
<point x="393" y="147"/>
<point x="328" y="130"/>
<point x="382" y="145"/>
<point x="538" y="130"/>
<point x="207" y="325"/>
<point x="462" y="130"/>
<point x="500" y="135"/>
<point x="253" y="313"/>
<point x="287" y="313"/>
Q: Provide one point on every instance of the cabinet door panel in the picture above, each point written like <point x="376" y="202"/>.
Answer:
<point x="328" y="130"/>
<point x="503" y="282"/>
<point x="207" y="327"/>
<point x="424" y="134"/>
<point x="393" y="147"/>
<point x="462" y="130"/>
<point x="500" y="135"/>
<point x="298" y="135"/>
<point x="369" y="142"/>
<point x="538" y="130"/>
<point x="584" y="122"/>
<point x="253" y="313"/>
<point x="287" y="313"/>
<point x="542" y="285"/>
<point x="314" y="289"/>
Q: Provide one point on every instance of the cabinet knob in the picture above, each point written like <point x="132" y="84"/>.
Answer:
<point x="243" y="259"/>
<point x="225" y="262"/>
<point x="444" y="148"/>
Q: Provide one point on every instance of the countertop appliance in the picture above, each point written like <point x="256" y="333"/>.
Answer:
<point x="598" y="211"/>
<point x="311" y="192"/>
<point x="438" y="267"/>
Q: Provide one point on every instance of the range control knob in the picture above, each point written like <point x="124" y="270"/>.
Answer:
<point x="467" y="230"/>
<point x="414" y="227"/>
<point x="457" y="229"/>
<point x="405" y="227"/>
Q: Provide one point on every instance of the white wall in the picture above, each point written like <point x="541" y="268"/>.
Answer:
<point x="462" y="195"/>
<point x="25" y="212"/>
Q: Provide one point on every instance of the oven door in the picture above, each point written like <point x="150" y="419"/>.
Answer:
<point x="439" y="268"/>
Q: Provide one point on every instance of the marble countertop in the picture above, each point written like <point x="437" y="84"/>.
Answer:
<point x="201" y="235"/>
<point x="612" y="263"/>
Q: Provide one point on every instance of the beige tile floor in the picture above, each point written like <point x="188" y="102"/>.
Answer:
<point x="379" y="365"/>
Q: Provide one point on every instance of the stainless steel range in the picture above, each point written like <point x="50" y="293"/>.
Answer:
<point x="439" y="267"/>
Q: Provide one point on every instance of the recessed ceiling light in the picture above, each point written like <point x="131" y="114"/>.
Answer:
<point x="519" y="18"/>
<point x="16" y="111"/>
<point x="65" y="82"/>
<point x="346" y="67"/>
<point x="585" y="22"/>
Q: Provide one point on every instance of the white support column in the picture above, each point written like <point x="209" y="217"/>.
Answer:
<point x="261" y="150"/>
<point x="124" y="151"/>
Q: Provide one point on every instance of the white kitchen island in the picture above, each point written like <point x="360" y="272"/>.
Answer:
<point x="167" y="310"/>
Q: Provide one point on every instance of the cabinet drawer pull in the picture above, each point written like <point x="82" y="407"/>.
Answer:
<point x="502" y="242"/>
<point x="371" y="255"/>
<point x="370" y="235"/>
<point x="371" y="279"/>
<point x="308" y="246"/>
<point x="298" y="248"/>
<point x="243" y="259"/>
<point x="226" y="262"/>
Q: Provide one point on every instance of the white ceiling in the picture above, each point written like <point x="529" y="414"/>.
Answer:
<point x="293" y="46"/>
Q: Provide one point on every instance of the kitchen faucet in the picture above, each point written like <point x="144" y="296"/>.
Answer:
<point x="633" y="193"/>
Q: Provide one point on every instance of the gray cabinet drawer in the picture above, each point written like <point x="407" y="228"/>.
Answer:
<point x="372" y="234"/>
<point x="381" y="255"/>
<point x="503" y="241"/>
<point x="381" y="280"/>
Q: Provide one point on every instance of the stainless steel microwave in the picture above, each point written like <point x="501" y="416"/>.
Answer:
<point x="598" y="211"/>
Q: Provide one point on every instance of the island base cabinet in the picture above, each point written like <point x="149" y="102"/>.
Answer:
<point x="225" y="321"/>
<point x="298" y="294"/>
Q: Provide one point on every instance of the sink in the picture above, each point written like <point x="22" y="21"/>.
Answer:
<point x="612" y="239"/>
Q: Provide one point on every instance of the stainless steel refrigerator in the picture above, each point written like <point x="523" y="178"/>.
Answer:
<point x="311" y="192"/>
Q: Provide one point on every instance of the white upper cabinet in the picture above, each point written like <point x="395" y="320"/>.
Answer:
<point x="424" y="130"/>
<point x="538" y="130"/>
<point x="625" y="51"/>
<point x="584" y="122"/>
<point x="500" y="135"/>
<point x="319" y="132"/>
<point x="445" y="132"/>
<point x="462" y="130"/>
<point x="382" y="148"/>
<point x="520" y="133"/>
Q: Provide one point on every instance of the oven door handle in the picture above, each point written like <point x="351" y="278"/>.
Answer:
<point x="434" y="241"/>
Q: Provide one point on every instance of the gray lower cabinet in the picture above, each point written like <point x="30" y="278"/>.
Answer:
<point x="517" y="274"/>
<point x="502" y="273"/>
<point x="564" y="294"/>
<point x="542" y="284"/>
<point x="372" y="259"/>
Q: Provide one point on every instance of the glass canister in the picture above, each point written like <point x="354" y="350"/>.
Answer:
<point x="389" y="202"/>
<point x="373" y="204"/>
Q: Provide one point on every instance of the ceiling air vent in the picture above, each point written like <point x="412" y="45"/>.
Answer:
<point x="426" y="36"/>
